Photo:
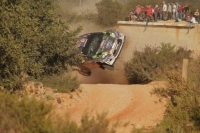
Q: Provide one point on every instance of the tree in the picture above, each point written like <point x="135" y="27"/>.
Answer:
<point x="109" y="12"/>
<point x="33" y="40"/>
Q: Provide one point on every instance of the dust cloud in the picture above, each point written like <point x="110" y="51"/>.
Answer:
<point x="78" y="5"/>
<point x="115" y="76"/>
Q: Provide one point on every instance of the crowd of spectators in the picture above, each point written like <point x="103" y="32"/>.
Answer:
<point x="165" y="11"/>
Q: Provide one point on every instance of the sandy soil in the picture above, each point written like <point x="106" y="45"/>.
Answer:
<point x="123" y="103"/>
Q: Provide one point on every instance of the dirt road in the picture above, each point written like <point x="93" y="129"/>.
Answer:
<point x="125" y="103"/>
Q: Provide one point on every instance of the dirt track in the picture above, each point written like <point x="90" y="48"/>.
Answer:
<point x="125" y="103"/>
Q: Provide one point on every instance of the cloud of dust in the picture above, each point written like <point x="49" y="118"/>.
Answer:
<point x="78" y="5"/>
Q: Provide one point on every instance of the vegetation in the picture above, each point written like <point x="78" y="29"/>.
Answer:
<point x="153" y="63"/>
<point x="34" y="40"/>
<point x="109" y="12"/>
<point x="64" y="83"/>
<point x="183" y="108"/>
<point x="183" y="112"/>
<point x="28" y="115"/>
<point x="22" y="115"/>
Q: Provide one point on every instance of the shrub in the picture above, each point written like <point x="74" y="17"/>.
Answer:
<point x="95" y="124"/>
<point x="153" y="63"/>
<point x="28" y="115"/>
<point x="109" y="12"/>
<point x="24" y="115"/>
<point x="61" y="83"/>
<point x="183" y="112"/>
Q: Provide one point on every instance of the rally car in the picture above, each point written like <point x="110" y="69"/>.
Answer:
<point x="99" y="50"/>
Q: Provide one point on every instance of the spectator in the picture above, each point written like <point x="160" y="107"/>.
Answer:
<point x="196" y="15"/>
<point x="174" y="10"/>
<point x="156" y="9"/>
<point x="149" y="12"/>
<point x="131" y="15"/>
<point x="193" y="20"/>
<point x="138" y="10"/>
<point x="161" y="12"/>
<point x="169" y="10"/>
<point x="164" y="11"/>
<point x="186" y="8"/>
<point x="187" y="16"/>
<point x="180" y="12"/>
<point x="177" y="5"/>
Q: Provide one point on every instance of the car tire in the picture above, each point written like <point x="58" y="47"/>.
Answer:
<point x="109" y="67"/>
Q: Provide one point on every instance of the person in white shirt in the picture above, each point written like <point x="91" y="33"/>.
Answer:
<point x="193" y="20"/>
<point x="164" y="11"/>
<point x="174" y="10"/>
<point x="169" y="10"/>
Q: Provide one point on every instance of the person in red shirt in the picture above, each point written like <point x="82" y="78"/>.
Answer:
<point x="180" y="12"/>
<point x="150" y="12"/>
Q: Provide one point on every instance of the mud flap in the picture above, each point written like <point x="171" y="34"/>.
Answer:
<point x="82" y="70"/>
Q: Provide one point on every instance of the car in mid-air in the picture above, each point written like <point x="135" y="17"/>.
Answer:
<point x="99" y="50"/>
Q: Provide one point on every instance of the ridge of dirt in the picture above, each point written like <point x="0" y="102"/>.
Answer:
<point x="123" y="103"/>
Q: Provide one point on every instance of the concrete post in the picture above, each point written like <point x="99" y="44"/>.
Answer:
<point x="184" y="69"/>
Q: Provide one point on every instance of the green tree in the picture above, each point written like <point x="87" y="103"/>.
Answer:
<point x="109" y="12"/>
<point x="33" y="40"/>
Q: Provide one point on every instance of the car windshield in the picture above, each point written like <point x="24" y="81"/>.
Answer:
<point x="93" y="43"/>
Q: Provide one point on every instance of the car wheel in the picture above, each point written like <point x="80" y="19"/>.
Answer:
<point x="109" y="67"/>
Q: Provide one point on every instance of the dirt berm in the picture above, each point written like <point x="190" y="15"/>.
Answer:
<point x="123" y="103"/>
